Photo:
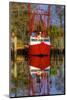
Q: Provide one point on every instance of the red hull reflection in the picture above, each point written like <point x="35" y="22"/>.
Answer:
<point x="39" y="62"/>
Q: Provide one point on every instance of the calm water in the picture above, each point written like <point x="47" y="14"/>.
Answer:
<point x="20" y="78"/>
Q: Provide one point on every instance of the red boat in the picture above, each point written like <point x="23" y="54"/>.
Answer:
<point x="41" y="48"/>
<point x="39" y="52"/>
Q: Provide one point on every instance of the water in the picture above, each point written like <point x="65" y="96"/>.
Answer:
<point x="55" y="79"/>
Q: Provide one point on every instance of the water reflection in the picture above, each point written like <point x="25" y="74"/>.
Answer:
<point x="21" y="83"/>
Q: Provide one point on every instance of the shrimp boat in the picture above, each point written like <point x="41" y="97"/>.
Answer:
<point x="39" y="53"/>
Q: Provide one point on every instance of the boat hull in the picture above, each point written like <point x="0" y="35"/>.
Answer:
<point x="41" y="48"/>
<point x="39" y="55"/>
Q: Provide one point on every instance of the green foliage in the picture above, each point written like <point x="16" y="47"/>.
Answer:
<point x="53" y="71"/>
<point x="18" y="20"/>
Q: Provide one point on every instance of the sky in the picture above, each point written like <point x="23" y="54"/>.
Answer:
<point x="54" y="18"/>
